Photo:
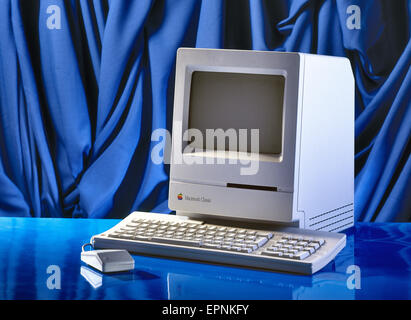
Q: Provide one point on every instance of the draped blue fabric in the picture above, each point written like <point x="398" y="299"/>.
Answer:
<point x="78" y="103"/>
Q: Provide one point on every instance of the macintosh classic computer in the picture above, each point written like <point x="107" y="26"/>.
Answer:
<point x="303" y="106"/>
<point x="262" y="162"/>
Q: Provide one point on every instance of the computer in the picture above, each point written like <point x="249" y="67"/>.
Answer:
<point x="262" y="163"/>
<point x="303" y="106"/>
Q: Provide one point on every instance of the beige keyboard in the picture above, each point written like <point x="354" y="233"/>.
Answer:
<point x="283" y="249"/>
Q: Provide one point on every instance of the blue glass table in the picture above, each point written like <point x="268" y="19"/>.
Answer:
<point x="34" y="252"/>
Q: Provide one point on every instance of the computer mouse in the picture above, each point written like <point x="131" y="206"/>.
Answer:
<point x="110" y="260"/>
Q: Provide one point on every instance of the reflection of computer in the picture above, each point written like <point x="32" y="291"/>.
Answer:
<point x="261" y="140"/>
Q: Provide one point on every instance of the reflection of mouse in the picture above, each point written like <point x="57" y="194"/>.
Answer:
<point x="93" y="277"/>
<point x="108" y="260"/>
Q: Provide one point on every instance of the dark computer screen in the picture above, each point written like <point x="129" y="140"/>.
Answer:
<point x="222" y="100"/>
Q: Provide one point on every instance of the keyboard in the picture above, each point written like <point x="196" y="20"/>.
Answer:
<point x="285" y="249"/>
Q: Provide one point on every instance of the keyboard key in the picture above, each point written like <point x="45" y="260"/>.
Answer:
<point x="311" y="250"/>
<point x="211" y="246"/>
<point x="301" y="255"/>
<point x="141" y="238"/>
<point x="114" y="235"/>
<point x="181" y="242"/>
<point x="272" y="253"/>
<point x="127" y="228"/>
<point x="274" y="248"/>
<point x="125" y="236"/>
<point x="261" y="241"/>
<point x="251" y="246"/>
<point x="132" y="225"/>
<point x="269" y="235"/>
<point x="319" y="241"/>
<point x="127" y="232"/>
<point x="315" y="245"/>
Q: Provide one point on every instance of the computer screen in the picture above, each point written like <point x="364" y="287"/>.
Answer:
<point x="228" y="100"/>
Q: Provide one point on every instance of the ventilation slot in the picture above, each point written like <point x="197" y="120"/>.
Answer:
<point x="334" y="220"/>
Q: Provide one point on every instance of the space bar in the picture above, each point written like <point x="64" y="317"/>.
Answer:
<point x="180" y="242"/>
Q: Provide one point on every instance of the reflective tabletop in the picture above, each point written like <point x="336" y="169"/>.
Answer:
<point x="40" y="259"/>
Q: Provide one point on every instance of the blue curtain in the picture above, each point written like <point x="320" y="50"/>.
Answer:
<point x="83" y="83"/>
